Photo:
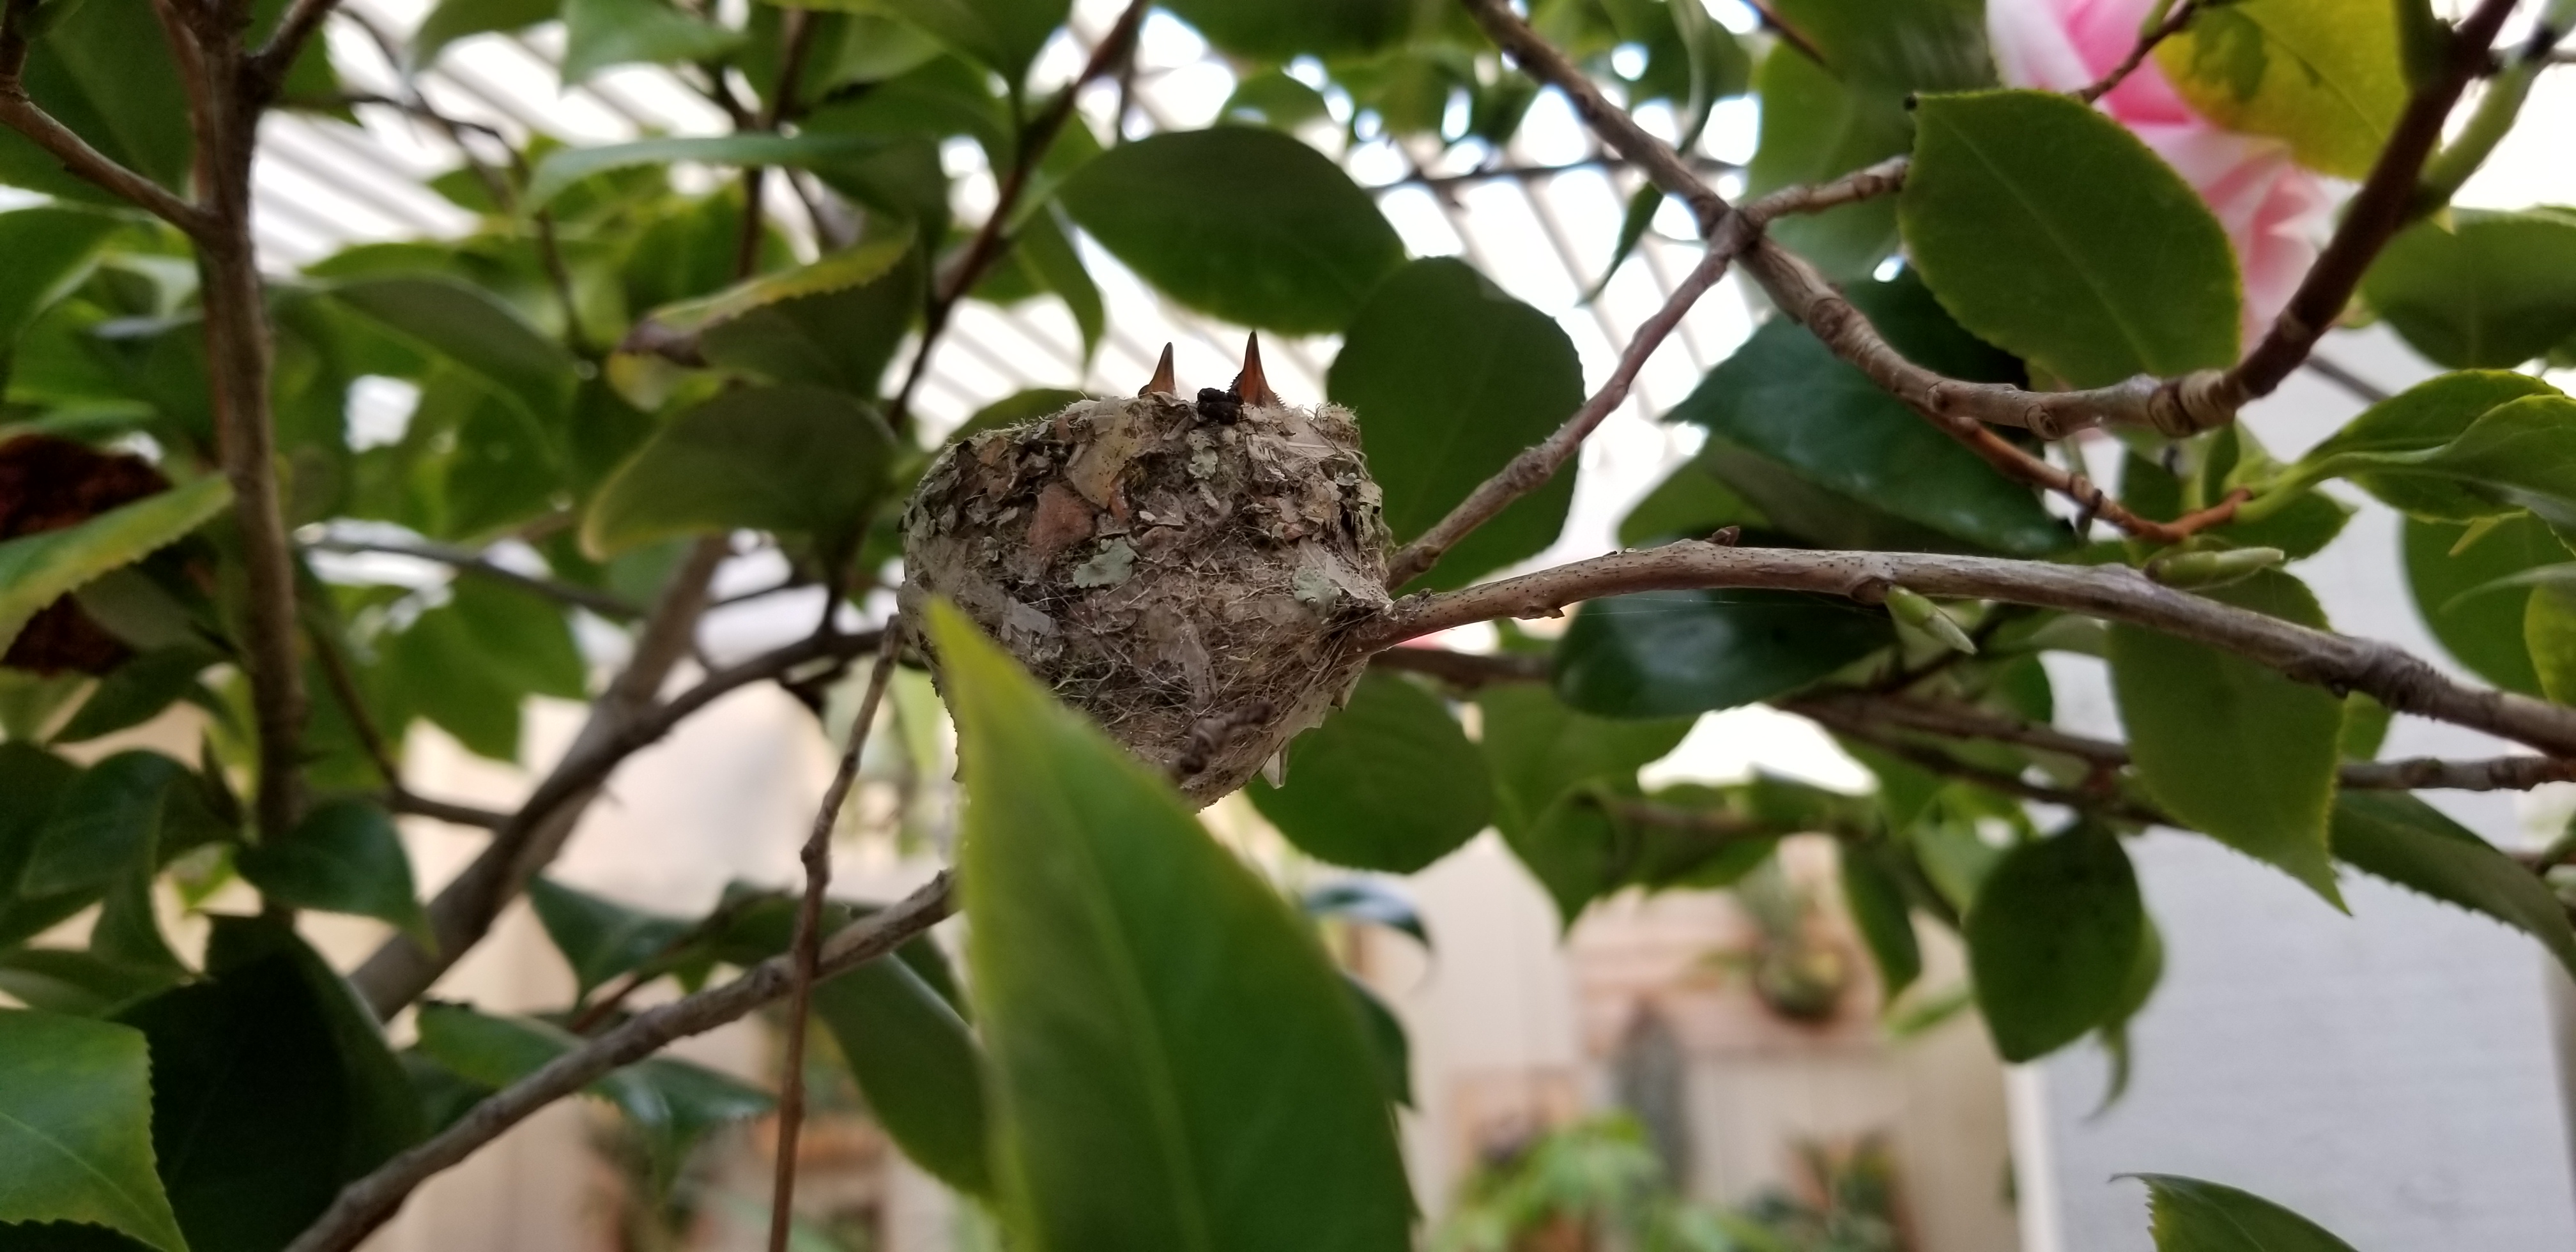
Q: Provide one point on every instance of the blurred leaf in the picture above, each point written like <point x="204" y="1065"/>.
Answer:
<point x="2549" y="632"/>
<point x="44" y="252"/>
<point x="918" y="1066"/>
<point x="1275" y="31"/>
<point x="840" y="340"/>
<point x="37" y="569"/>
<point x="2419" y="419"/>
<point x="472" y="327"/>
<point x="602" y="33"/>
<point x="1815" y="128"/>
<point x="1177" y="1062"/>
<point x="855" y="266"/>
<point x="127" y="930"/>
<point x="36" y="781"/>
<point x="1876" y="901"/>
<point x="2052" y="940"/>
<point x="2472" y="288"/>
<point x="2144" y="975"/>
<point x="469" y="664"/>
<point x="1896" y="45"/>
<point x="135" y="692"/>
<point x="82" y="984"/>
<point x="112" y="82"/>
<point x="2365" y="727"/>
<point x="2518" y="454"/>
<point x="103" y="823"/>
<point x="1451" y="378"/>
<point x="2400" y="838"/>
<point x="822" y="152"/>
<point x="796" y="460"/>
<point x="1632" y="228"/>
<point x="272" y="1088"/>
<point x="1272" y="98"/>
<point x="76" y="1128"/>
<point x="600" y="938"/>
<point x="1367" y="900"/>
<point x="2484" y="631"/>
<point x="344" y="857"/>
<point x="1243" y="223"/>
<point x="2194" y="1216"/>
<point x="456" y="19"/>
<point x="2323" y="74"/>
<point x="1003" y="34"/>
<point x="1690" y="504"/>
<point x="1387" y="1041"/>
<point x="1388" y="782"/>
<point x="2114" y="266"/>
<point x="2232" y="747"/>
<point x="1540" y="749"/>
<point x="1661" y="653"/>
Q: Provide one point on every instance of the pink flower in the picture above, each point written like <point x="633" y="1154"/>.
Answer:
<point x="2274" y="209"/>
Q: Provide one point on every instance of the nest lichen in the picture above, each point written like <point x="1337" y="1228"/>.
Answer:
<point x="1187" y="574"/>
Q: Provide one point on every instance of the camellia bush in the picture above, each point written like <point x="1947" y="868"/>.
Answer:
<point x="1988" y="237"/>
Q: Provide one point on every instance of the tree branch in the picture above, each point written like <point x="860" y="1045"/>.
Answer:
<point x="20" y="113"/>
<point x="370" y="1202"/>
<point x="468" y="561"/>
<point x="2116" y="593"/>
<point x="268" y="67"/>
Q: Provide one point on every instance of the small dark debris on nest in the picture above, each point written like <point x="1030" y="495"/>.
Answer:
<point x="1186" y="573"/>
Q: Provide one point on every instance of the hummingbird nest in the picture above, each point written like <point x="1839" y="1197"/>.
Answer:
<point x="1187" y="573"/>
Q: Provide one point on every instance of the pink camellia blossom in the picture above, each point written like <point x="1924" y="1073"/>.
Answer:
<point x="2273" y="208"/>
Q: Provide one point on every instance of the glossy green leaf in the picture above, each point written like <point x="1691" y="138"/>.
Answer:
<point x="2458" y="595"/>
<point x="2189" y="1215"/>
<point x="1177" y="1063"/>
<point x="1539" y="749"/>
<point x="855" y="266"/>
<point x="1662" y="653"/>
<point x="1816" y="127"/>
<point x="1280" y="30"/>
<point x="344" y="857"/>
<point x="127" y="930"/>
<point x="821" y="151"/>
<point x="44" y="253"/>
<point x="918" y="1065"/>
<point x="1691" y="503"/>
<point x="1389" y="782"/>
<point x="103" y="823"/>
<point x="2476" y="289"/>
<point x="76" y="1128"/>
<point x="1876" y="901"/>
<point x="1787" y="397"/>
<point x="2324" y="75"/>
<point x="602" y="33"/>
<point x="2047" y="229"/>
<point x="2231" y="747"/>
<point x="2052" y="940"/>
<point x="1275" y="99"/>
<point x="669" y="1104"/>
<point x="599" y="937"/>
<point x="456" y="19"/>
<point x="137" y="691"/>
<point x="37" y="569"/>
<point x="469" y="664"/>
<point x="1244" y="223"/>
<point x="1003" y="34"/>
<point x="1897" y="45"/>
<point x="2420" y="419"/>
<point x="472" y="327"/>
<point x="799" y="460"/>
<point x="2400" y="838"/>
<point x="1451" y="378"/>
<point x="271" y="1088"/>
<point x="840" y="339"/>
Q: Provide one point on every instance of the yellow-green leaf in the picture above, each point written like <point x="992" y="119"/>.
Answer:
<point x="37" y="569"/>
<point x="2325" y="75"/>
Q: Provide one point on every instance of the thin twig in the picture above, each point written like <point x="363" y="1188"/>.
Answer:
<point x="269" y="66"/>
<point x="797" y="33"/>
<point x="2109" y="804"/>
<point x="469" y="561"/>
<point x="2358" y="387"/>
<point x="2339" y="663"/>
<point x="2177" y="18"/>
<point x="990" y="240"/>
<point x="1533" y="173"/>
<point x="406" y="801"/>
<point x="807" y="948"/>
<point x="364" y="1205"/>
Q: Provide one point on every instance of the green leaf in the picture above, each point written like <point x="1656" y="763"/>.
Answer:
<point x="1274" y="99"/>
<point x="855" y="266"/>
<point x="469" y="664"/>
<point x="135" y="692"/>
<point x="1387" y="1040"/>
<point x="76" y="1128"/>
<point x="271" y="1088"/>
<point x="669" y="1104"/>
<point x="1003" y="34"/>
<point x="599" y="937"/>
<point x="2400" y="838"/>
<point x="2473" y="289"/>
<point x="113" y="84"/>
<point x="1451" y="378"/>
<point x="2194" y="1216"/>
<point x="103" y="825"/>
<point x="37" y="569"/>
<point x="1661" y="653"/>
<point x="44" y="253"/>
<point x="602" y="33"/>
<point x="2549" y="631"/>
<point x="2047" y="229"/>
<point x="344" y="857"/>
<point x="1897" y="45"/>
<point x="2052" y="940"/>
<point x="1816" y="127"/>
<point x="796" y="460"/>
<point x="2323" y="74"/>
<point x="918" y="1065"/>
<point x="1539" y="749"/>
<point x="2518" y="454"/>
<point x="1244" y="223"/>
<point x="1788" y="397"/>
<point x="2420" y="419"/>
<point x="823" y="152"/>
<point x="2232" y="747"/>
<point x="473" y="328"/>
<point x="1277" y="31"/>
<point x="1177" y="1063"/>
<point x="2483" y="631"/>
<point x="81" y="984"/>
<point x="1389" y="782"/>
<point x="35" y="782"/>
<point x="839" y="339"/>
<point x="1876" y="901"/>
<point x="456" y="19"/>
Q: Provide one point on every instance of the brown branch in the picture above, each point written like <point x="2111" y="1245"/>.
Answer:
<point x="991" y="239"/>
<point x="267" y="68"/>
<point x="798" y="36"/>
<point x="2175" y="19"/>
<point x="806" y="950"/>
<point x="20" y="113"/>
<point x="1867" y="183"/>
<point x="1530" y="173"/>
<point x="2116" y="593"/>
<point x="403" y="800"/>
<point x="468" y="561"/>
<point x="370" y="1202"/>
<point x="2109" y="802"/>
